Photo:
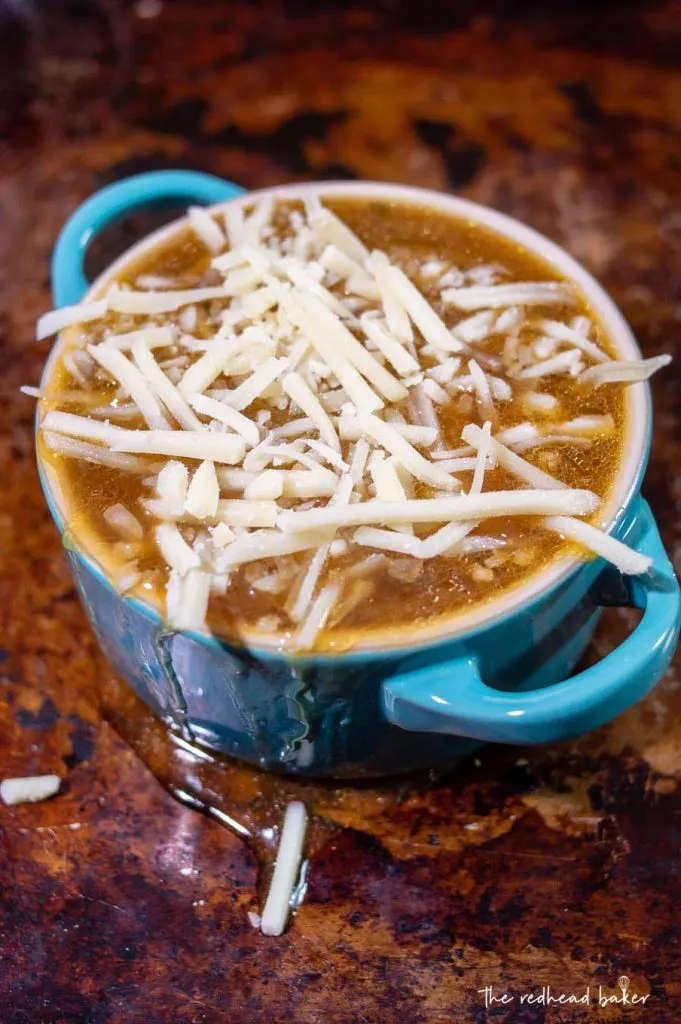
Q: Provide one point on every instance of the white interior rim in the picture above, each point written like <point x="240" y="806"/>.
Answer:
<point x="637" y="397"/>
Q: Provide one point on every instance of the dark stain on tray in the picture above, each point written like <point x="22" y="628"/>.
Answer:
<point x="462" y="157"/>
<point x="556" y="866"/>
<point x="583" y="100"/>
<point x="42" y="719"/>
<point x="286" y="143"/>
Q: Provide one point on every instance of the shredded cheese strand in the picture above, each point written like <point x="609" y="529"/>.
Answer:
<point x="155" y="303"/>
<point x="223" y="413"/>
<point x="296" y="388"/>
<point x="181" y="444"/>
<point x="541" y="293"/>
<point x="203" y="372"/>
<point x="439" y="510"/>
<point x="286" y="869"/>
<point x="386" y="435"/>
<point x="163" y="387"/>
<point x="421" y="312"/>
<point x="337" y="334"/>
<point x="134" y="383"/>
<point x="612" y="550"/>
<point x="509" y="460"/>
<point x="624" y="371"/>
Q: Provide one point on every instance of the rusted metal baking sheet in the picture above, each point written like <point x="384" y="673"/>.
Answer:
<point x="523" y="869"/>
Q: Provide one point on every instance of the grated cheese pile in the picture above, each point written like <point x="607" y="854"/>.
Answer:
<point x="286" y="413"/>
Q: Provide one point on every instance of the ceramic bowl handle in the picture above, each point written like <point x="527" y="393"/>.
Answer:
<point x="452" y="698"/>
<point x="116" y="201"/>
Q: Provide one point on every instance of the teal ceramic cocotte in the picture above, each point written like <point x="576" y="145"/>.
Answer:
<point x="502" y="674"/>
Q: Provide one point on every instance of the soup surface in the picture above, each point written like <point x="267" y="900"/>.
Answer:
<point x="342" y="376"/>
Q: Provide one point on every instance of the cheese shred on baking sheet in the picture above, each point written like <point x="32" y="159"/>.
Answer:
<point x="317" y="380"/>
<point x="286" y="869"/>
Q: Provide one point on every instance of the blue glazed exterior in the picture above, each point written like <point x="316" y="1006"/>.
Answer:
<point x="357" y="714"/>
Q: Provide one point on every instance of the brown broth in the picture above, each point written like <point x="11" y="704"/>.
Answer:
<point x="444" y="586"/>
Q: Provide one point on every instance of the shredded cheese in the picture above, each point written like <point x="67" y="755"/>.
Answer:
<point x="564" y="362"/>
<point x="233" y="419"/>
<point x="396" y="316"/>
<point x="286" y="869"/>
<point x="267" y="486"/>
<point x="445" y="371"/>
<point x="300" y="605"/>
<point x="180" y="444"/>
<point x="520" y="432"/>
<point x="172" y="484"/>
<point x="222" y="535"/>
<point x="541" y="293"/>
<point x="29" y="789"/>
<point x="155" y="303"/>
<point x="203" y="493"/>
<point x="612" y="550"/>
<point x="329" y="229"/>
<point x="134" y="383"/>
<point x="561" y="332"/>
<point x="187" y="599"/>
<point x="623" y="371"/>
<point x="55" y="321"/>
<point x="233" y="214"/>
<point x="258" y="220"/>
<point x="328" y="453"/>
<point x="503" y="456"/>
<point x="398" y="356"/>
<point x="270" y="544"/>
<point x="433" y="390"/>
<point x="337" y="335"/>
<point x="446" y="540"/>
<point x="294" y="386"/>
<point x="317" y="616"/>
<point x="484" y="450"/>
<point x="388" y="540"/>
<point x="253" y="387"/>
<point x="175" y="550"/>
<point x="350" y="430"/>
<point x="434" y="510"/>
<point x="355" y="386"/>
<point x="121" y="519"/>
<point x="545" y="440"/>
<point x="265" y="453"/>
<point x="309" y="483"/>
<point x="358" y="281"/>
<point x="477" y="328"/>
<point x="61" y="444"/>
<point x="421" y="312"/>
<point x="388" y="484"/>
<point x="253" y="514"/>
<point x="358" y="462"/>
<point x="163" y="387"/>
<point x="152" y="337"/>
<point x="386" y="435"/>
<point x="482" y="390"/>
<point x="206" y="228"/>
<point x="203" y="372"/>
<point x="591" y="426"/>
<point x="81" y="426"/>
<point x="540" y="404"/>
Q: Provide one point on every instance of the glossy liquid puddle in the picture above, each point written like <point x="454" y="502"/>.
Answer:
<point x="248" y="802"/>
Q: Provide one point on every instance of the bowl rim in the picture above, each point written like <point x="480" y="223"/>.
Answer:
<point x="458" y="625"/>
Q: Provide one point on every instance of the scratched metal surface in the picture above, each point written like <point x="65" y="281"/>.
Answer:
<point x="559" y="866"/>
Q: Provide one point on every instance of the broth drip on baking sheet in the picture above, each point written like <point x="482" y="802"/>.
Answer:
<point x="251" y="803"/>
<point x="440" y="253"/>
